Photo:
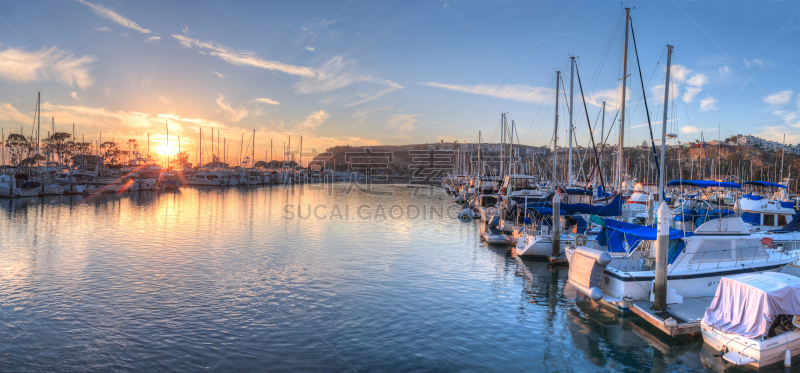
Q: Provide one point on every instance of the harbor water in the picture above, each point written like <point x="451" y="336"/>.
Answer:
<point x="311" y="278"/>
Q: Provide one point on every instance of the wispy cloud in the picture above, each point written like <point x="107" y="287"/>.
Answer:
<point x="610" y="96"/>
<point x="104" y="29"/>
<point x="339" y="72"/>
<point x="314" y="120"/>
<point x="185" y="30"/>
<point x="516" y="92"/>
<point x="309" y="48"/>
<point x="262" y="100"/>
<point x="334" y="74"/>
<point x="708" y="103"/>
<point x="74" y="95"/>
<point x="21" y="66"/>
<point x="163" y="99"/>
<point x="114" y="16"/>
<point x="760" y="63"/>
<point x="695" y="130"/>
<point x="241" y="58"/>
<point x="402" y="123"/>
<point x="218" y="74"/>
<point x="780" y="98"/>
<point x="724" y="71"/>
<point x="124" y="34"/>
<point x="153" y="39"/>
<point x="234" y="114"/>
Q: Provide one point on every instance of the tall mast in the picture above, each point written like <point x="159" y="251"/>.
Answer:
<point x="38" y="124"/>
<point x="502" y="144"/>
<point x="480" y="165"/>
<point x="602" y="138"/>
<point x="201" y="147"/>
<point x="664" y="128"/>
<point x="555" y="133"/>
<point x="252" y="165"/>
<point x="783" y="150"/>
<point x="571" y="85"/>
<point x="622" y="111"/>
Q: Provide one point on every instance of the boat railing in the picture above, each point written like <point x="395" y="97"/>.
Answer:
<point x="762" y="259"/>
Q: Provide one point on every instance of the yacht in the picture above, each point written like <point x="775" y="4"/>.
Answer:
<point x="697" y="260"/>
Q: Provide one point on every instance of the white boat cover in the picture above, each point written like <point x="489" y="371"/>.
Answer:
<point x="747" y="304"/>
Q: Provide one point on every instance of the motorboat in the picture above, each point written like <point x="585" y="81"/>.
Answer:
<point x="696" y="259"/>
<point x="754" y="319"/>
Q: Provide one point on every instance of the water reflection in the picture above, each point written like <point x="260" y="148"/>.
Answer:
<point x="219" y="278"/>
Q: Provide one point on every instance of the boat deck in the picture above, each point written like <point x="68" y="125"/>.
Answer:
<point x="688" y="315"/>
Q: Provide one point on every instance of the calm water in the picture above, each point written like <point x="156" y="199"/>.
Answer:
<point x="232" y="280"/>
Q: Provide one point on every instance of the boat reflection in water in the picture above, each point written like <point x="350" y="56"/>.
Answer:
<point x="605" y="338"/>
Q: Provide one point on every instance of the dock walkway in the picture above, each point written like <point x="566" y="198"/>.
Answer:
<point x="688" y="315"/>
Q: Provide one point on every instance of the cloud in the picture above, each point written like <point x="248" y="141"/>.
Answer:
<point x="185" y="30"/>
<point x="761" y="63"/>
<point x="402" y="123"/>
<point x="334" y="74"/>
<point x="218" y="74"/>
<point x="708" y="103"/>
<point x="309" y="48"/>
<point x="695" y="130"/>
<point x="153" y="39"/>
<point x="235" y="114"/>
<point x="163" y="99"/>
<point x="680" y="73"/>
<point x="21" y="66"/>
<point x="7" y="111"/>
<point x="114" y="16"/>
<point x="104" y="29"/>
<point x="724" y="71"/>
<point x="610" y="96"/>
<point x="338" y="73"/>
<point x="780" y="98"/>
<point x="241" y="58"/>
<point x="516" y="92"/>
<point x="266" y="101"/>
<point x="74" y="95"/>
<point x="695" y="86"/>
<point x="124" y="34"/>
<point x="314" y="120"/>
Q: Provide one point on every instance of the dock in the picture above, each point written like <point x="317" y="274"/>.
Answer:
<point x="687" y="315"/>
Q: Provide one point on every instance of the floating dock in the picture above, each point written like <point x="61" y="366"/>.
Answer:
<point x="687" y="315"/>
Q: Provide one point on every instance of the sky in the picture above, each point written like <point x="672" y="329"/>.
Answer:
<point x="368" y="73"/>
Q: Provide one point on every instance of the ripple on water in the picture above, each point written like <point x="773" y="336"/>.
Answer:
<point x="219" y="279"/>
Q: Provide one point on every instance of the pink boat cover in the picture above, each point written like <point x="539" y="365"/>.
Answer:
<point x="747" y="304"/>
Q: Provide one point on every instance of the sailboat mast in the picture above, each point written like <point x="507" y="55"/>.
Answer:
<point x="502" y="144"/>
<point x="571" y="86"/>
<point x="555" y="134"/>
<point x="622" y="110"/>
<point x="602" y="137"/>
<point x="664" y="128"/>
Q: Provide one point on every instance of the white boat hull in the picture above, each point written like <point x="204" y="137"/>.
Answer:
<point x="755" y="353"/>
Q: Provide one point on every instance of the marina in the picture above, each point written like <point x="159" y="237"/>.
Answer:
<point x="400" y="187"/>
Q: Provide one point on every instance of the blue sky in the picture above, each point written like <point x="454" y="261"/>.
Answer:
<point x="365" y="73"/>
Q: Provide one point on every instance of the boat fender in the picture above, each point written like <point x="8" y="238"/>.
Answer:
<point x="670" y="323"/>
<point x="787" y="359"/>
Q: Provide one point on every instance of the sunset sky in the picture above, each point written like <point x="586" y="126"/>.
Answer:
<point x="366" y="73"/>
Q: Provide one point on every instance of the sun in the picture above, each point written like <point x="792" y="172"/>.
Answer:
<point x="167" y="150"/>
